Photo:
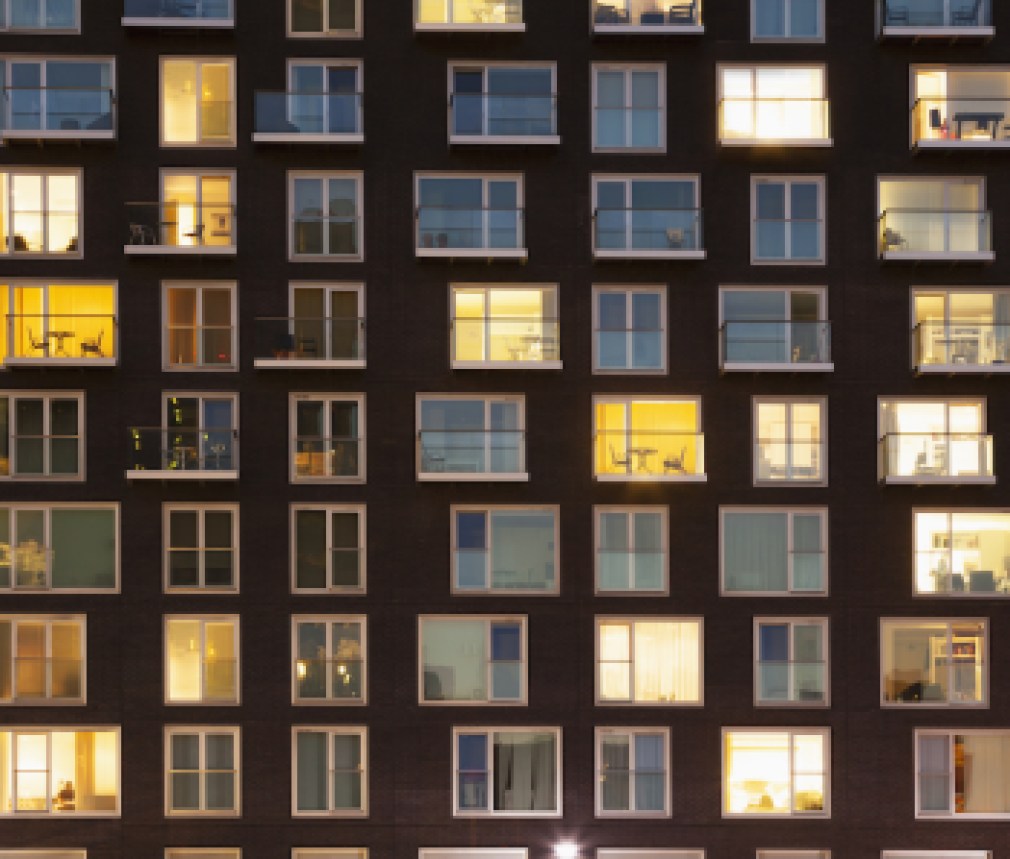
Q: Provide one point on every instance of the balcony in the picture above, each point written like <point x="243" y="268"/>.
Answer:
<point x="650" y="454"/>
<point x="161" y="453"/>
<point x="641" y="233"/>
<point x="919" y="458"/>
<point x="942" y="236"/>
<point x="178" y="13"/>
<point x="301" y="343"/>
<point x="327" y="458"/>
<point x="65" y="340"/>
<point x="505" y="342"/>
<point x="775" y="345"/>
<point x="774" y="122"/>
<point x="53" y="16"/>
<point x="499" y="118"/>
<point x="936" y="19"/>
<point x="491" y="16"/>
<point x="449" y="231"/>
<point x="58" y="113"/>
<point x="961" y="346"/>
<point x="961" y="123"/>
<point x="300" y="117"/>
<point x="471" y="454"/>
<point x="172" y="229"/>
<point x="647" y="17"/>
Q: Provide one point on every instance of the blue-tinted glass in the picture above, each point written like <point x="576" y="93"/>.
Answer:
<point x="505" y="642"/>
<point x="769" y="18"/>
<point x="471" y="530"/>
<point x="308" y="197"/>
<point x="610" y="195"/>
<point x="472" y="751"/>
<point x="771" y="201"/>
<point x="613" y="311"/>
<point x="804" y="200"/>
<point x="774" y="643"/>
<point x="804" y="19"/>
<point x="771" y="239"/>
<point x="806" y="240"/>
<point x="457" y="193"/>
<point x="452" y="415"/>
<point x="468" y="101"/>
<point x="648" y="752"/>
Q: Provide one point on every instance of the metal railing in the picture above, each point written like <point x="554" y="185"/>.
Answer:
<point x="326" y="235"/>
<point x="650" y="453"/>
<point x="307" y="113"/>
<point x="59" y="336"/>
<point x="503" y="114"/>
<point x="791" y="680"/>
<point x="646" y="13"/>
<point x="43" y="678"/>
<point x="977" y="119"/>
<point x="962" y="342"/>
<point x="179" y="224"/>
<point x="187" y="9"/>
<point x="301" y="338"/>
<point x="183" y="449"/>
<point x="950" y="231"/>
<point x="779" y="341"/>
<point x="58" y="109"/>
<point x="326" y="456"/>
<point x="471" y="564"/>
<point x="506" y="338"/>
<point x="790" y="120"/>
<point x="936" y="455"/>
<point x="647" y="229"/>
<point x="330" y="678"/>
<point x="475" y="12"/>
<point x="937" y="13"/>
<point x="463" y="228"/>
<point x="475" y="451"/>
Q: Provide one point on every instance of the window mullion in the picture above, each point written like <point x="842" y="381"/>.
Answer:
<point x="328" y="656"/>
<point x="790" y="552"/>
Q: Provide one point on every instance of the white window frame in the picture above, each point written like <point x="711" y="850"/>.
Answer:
<point x="203" y="620"/>
<point x="631" y="511"/>
<point x="362" y="548"/>
<point x="326" y="32"/>
<point x="952" y="814"/>
<point x="359" y="731"/>
<point x="804" y="854"/>
<point x="327" y="620"/>
<point x="822" y="441"/>
<point x="47" y="620"/>
<point x="153" y="240"/>
<point x="198" y="287"/>
<point x="326" y="853"/>
<point x="168" y="508"/>
<point x="646" y="853"/>
<point x="632" y="734"/>
<point x="791" y="622"/>
<point x="488" y="620"/>
<point x="753" y="68"/>
<point x="46" y="397"/>
<point x="76" y="29"/>
<point x="55" y="853"/>
<point x="7" y="242"/>
<point x="483" y="66"/>
<point x="327" y="288"/>
<point x="201" y="852"/>
<point x="630" y="290"/>
<point x="949" y="546"/>
<point x="468" y="853"/>
<point x="324" y="176"/>
<point x="786" y="37"/>
<point x="201" y="732"/>
<point x="325" y="136"/>
<point x="626" y="70"/>
<point x="945" y="293"/>
<point x="786" y="181"/>
<point x="489" y="733"/>
<point x="328" y="399"/>
<point x="200" y="61"/>
<point x="936" y="854"/>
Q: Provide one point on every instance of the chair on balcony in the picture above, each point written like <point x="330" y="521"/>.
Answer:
<point x="681" y="13"/>
<point x="610" y="15"/>
<point x="966" y="16"/>
<point x="38" y="345"/>
<point x="623" y="461"/>
<point x="894" y="241"/>
<point x="142" y="234"/>
<point x="93" y="346"/>
<point x="675" y="463"/>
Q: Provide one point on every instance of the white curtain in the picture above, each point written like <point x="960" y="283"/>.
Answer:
<point x="934" y="772"/>
<point x="666" y="661"/>
<point x="524" y="772"/>
<point x="987" y="774"/>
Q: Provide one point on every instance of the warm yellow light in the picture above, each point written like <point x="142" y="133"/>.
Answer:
<point x="301" y="669"/>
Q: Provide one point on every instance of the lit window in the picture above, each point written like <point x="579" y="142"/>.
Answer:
<point x="42" y="659"/>
<point x="40" y="212"/>
<point x="963" y="774"/>
<point x="201" y="660"/>
<point x="51" y="15"/>
<point x="330" y="654"/>
<point x="322" y="104"/>
<point x="328" y="548"/>
<point x="647" y="17"/>
<point x="934" y="662"/>
<point x="330" y="771"/>
<point x="787" y="220"/>
<point x="648" y="438"/>
<point x="499" y="103"/>
<point x="41" y="435"/>
<point x="505" y="326"/>
<point x="791" y="661"/>
<point x="479" y="660"/>
<point x="325" y="216"/>
<point x="340" y="19"/>
<point x="649" y="661"/>
<point x="632" y="772"/>
<point x="461" y="437"/>
<point x="328" y="438"/>
<point x="960" y="107"/>
<point x="647" y="216"/>
<point x="201" y="547"/>
<point x="629" y="108"/>
<point x="469" y="15"/>
<point x="202" y="771"/>
<point x="198" y="438"/>
<point x="925" y="218"/>
<point x="66" y="98"/>
<point x="59" y="772"/>
<point x="961" y="330"/>
<point x="629" y="329"/>
<point x="769" y="772"/>
<point x="197" y="101"/>
<point x="774" y="551"/>
<point x="199" y="327"/>
<point x="505" y="550"/>
<point x="773" y="106"/>
<point x="963" y="553"/>
<point x="632" y="553"/>
<point x="787" y="20"/>
<point x="784" y="328"/>
<point x="507" y="771"/>
<point x="790" y="441"/>
<point x="196" y="215"/>
<point x="470" y="215"/>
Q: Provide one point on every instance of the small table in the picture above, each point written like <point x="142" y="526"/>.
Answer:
<point x="983" y="119"/>
<point x="60" y="337"/>
<point x="642" y="454"/>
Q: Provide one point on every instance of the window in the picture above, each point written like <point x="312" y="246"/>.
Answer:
<point x="41" y="435"/>
<point x="52" y="15"/>
<point x="495" y="103"/>
<point x="787" y="20"/>
<point x="505" y="326"/>
<point x="322" y="104"/>
<point x="471" y="437"/>
<point x="201" y="547"/>
<point x="646" y="17"/>
<point x="962" y="774"/>
<point x="202" y="771"/>
<point x="645" y="217"/>
<point x="773" y="105"/>
<point x="469" y="15"/>
<point x="325" y="328"/>
<point x="960" y="106"/>
<point x="629" y="329"/>
<point x="66" y="98"/>
<point x="196" y="215"/>
<point x="325" y="216"/>
<point x="198" y="437"/>
<point x="942" y="441"/>
<point x="178" y="13"/>
<point x="791" y="661"/>
<point x="962" y="553"/>
<point x="790" y="441"/>
<point x="649" y="661"/>
<point x="58" y="323"/>
<point x="471" y="660"/>
<point x="946" y="21"/>
<point x="961" y="330"/>
<point x="330" y="771"/>
<point x="328" y="548"/>
<point x="328" y="438"/>
<point x="632" y="554"/>
<point x="648" y="438"/>
<point x="338" y="19"/>
<point x="43" y="854"/>
<point x="928" y="218"/>
<point x="201" y="659"/>
<point x="629" y="108"/>
<point x="505" y="550"/>
<point x="784" y="328"/>
<point x="203" y="853"/>
<point x="507" y="771"/>
<point x="59" y="772"/>
<point x="934" y="662"/>
<point x="42" y="659"/>
<point x="776" y="772"/>
<point x="330" y="660"/>
<point x="787" y="220"/>
<point x="469" y="215"/>
<point x="40" y="211"/>
<point x="632" y="772"/>
<point x="197" y="101"/>
<point x="769" y="550"/>
<point x="200" y="326"/>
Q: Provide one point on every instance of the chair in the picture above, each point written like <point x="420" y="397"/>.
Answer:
<point x="966" y="16"/>
<point x="141" y="234"/>
<point x="981" y="580"/>
<point x="681" y="13"/>
<point x="651" y="18"/>
<point x="38" y="345"/>
<point x="675" y="463"/>
<point x="618" y="461"/>
<point x="893" y="240"/>
<point x="935" y="120"/>
<point x="606" y="14"/>
<point x="674" y="238"/>
<point x="93" y="346"/>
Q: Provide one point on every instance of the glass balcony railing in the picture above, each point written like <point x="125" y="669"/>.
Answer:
<point x="976" y="571"/>
<point x="479" y="14"/>
<point x="774" y="121"/>
<point x="646" y="14"/>
<point x="652" y="232"/>
<point x="507" y="339"/>
<point x="326" y="235"/>
<point x="61" y="338"/>
<point x="639" y="348"/>
<point x="765" y="341"/>
<point x="301" y="115"/>
<point x="801" y="682"/>
<point x="294" y="339"/>
<point x="650" y="453"/>
<point x="630" y="569"/>
<point x="934" y="14"/>
<point x="193" y="12"/>
<point x="39" y="15"/>
<point x="473" y="116"/>
<point x="42" y="678"/>
<point x="788" y="239"/>
<point x="962" y="343"/>
<point x="917" y="233"/>
<point x="324" y="679"/>
<point x="187" y="226"/>
<point x="471" y="452"/>
<point x="445" y="230"/>
<point x="940" y="457"/>
<point x="326" y="457"/>
<point x="65" y="112"/>
<point x="979" y="121"/>
<point x="177" y="449"/>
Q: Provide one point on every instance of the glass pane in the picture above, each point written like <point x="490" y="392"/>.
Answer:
<point x="755" y="552"/>
<point x="311" y="771"/>
<point x="310" y="549"/>
<point x="84" y="548"/>
<point x="454" y="660"/>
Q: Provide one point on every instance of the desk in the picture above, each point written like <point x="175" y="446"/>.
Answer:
<point x="982" y="119"/>
<point x="642" y="454"/>
<point x="60" y="337"/>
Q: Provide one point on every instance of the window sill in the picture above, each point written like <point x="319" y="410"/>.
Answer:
<point x="507" y="365"/>
<point x="996" y="367"/>
<point x="69" y="361"/>
<point x="504" y="140"/>
<point x="645" y="477"/>
<point x="297" y="137"/>
<point x="648" y="29"/>
<point x="471" y="253"/>
<point x="173" y="474"/>
<point x="472" y="476"/>
<point x="975" y="143"/>
<point x="649" y="254"/>
<point x="938" y="479"/>
<point x="951" y="33"/>
<point x="180" y="250"/>
<point x="187" y="23"/>
<point x="447" y="27"/>
<point x="776" y="367"/>
<point x="937" y="256"/>
<point x="818" y="143"/>
<point x="56" y="135"/>
<point x="309" y="363"/>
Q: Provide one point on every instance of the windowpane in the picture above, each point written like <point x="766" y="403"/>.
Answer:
<point x="84" y="548"/>
<point x="311" y="769"/>
<point x="524" y="771"/>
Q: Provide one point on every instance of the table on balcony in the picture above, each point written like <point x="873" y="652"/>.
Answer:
<point x="642" y="454"/>
<point x="983" y="119"/>
<point x="60" y="337"/>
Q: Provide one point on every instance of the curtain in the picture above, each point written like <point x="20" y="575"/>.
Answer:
<point x="666" y="661"/>
<point x="986" y="776"/>
<point x="454" y="660"/>
<point x="934" y="772"/>
<point x="524" y="772"/>
<point x="346" y="771"/>
<point x="650" y="775"/>
<point x="754" y="552"/>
